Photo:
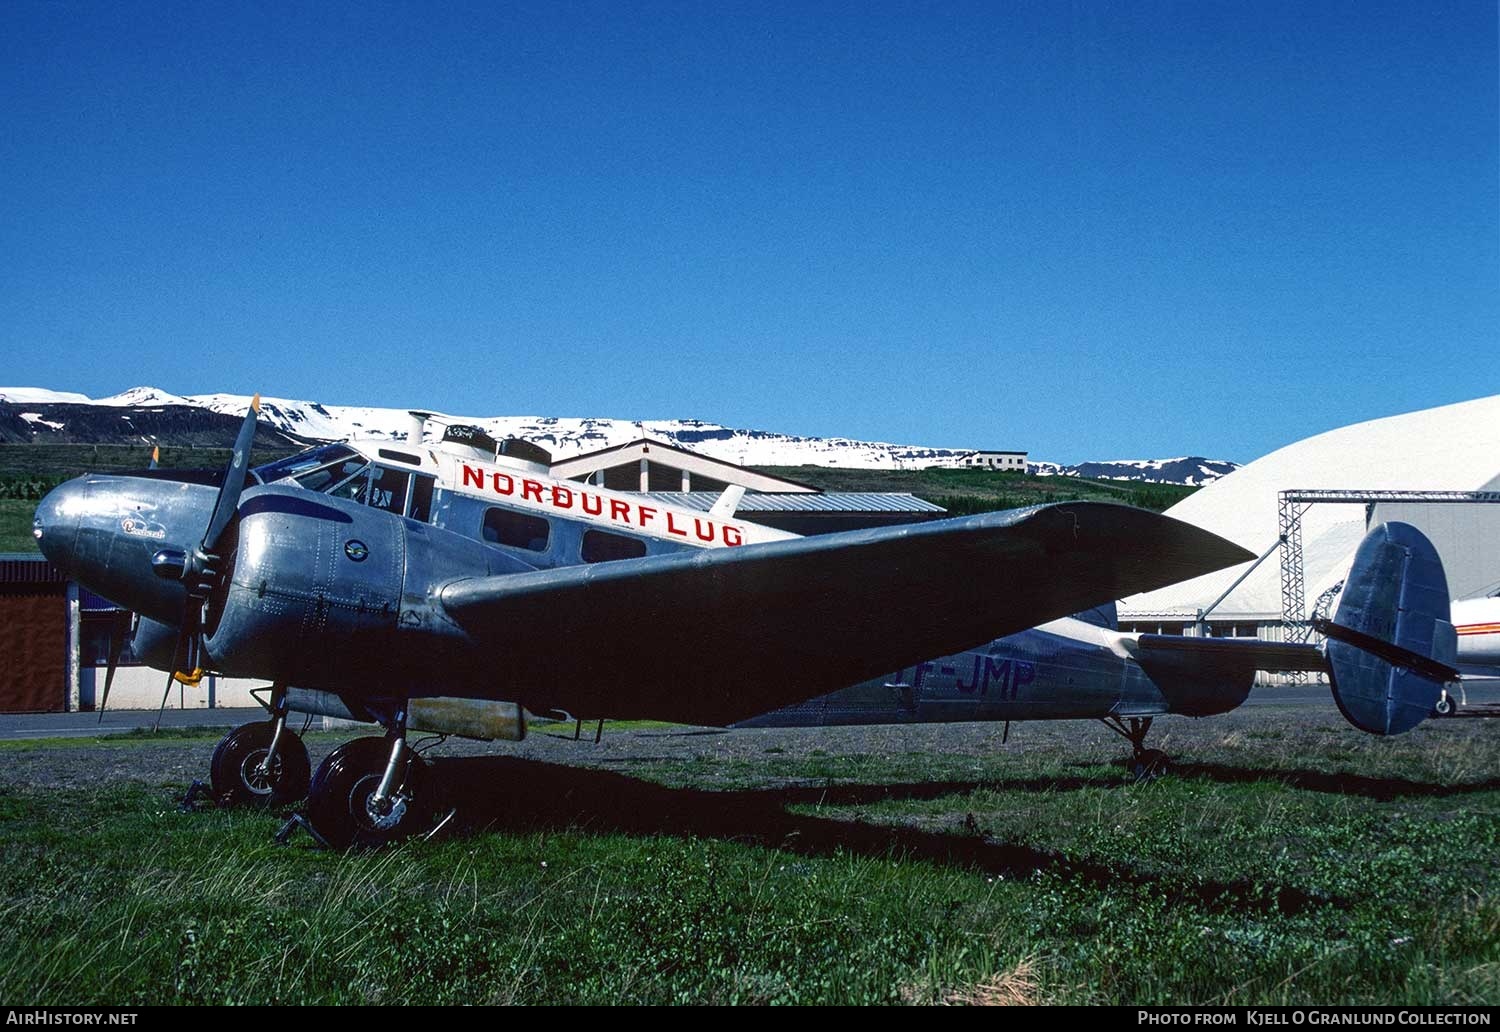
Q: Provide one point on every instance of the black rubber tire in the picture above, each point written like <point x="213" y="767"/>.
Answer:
<point x="1445" y="706"/>
<point x="1150" y="765"/>
<point x="233" y="775"/>
<point x="342" y="785"/>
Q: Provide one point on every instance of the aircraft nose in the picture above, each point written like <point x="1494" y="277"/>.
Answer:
<point x="55" y="525"/>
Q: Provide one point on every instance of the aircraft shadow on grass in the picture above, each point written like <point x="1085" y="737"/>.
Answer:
<point x="601" y="801"/>
<point x="1382" y="790"/>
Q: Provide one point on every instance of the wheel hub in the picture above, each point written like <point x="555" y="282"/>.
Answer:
<point x="380" y="814"/>
<point x="259" y="776"/>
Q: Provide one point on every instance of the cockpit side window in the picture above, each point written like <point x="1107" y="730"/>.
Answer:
<point x="388" y="489"/>
<point x="342" y="472"/>
<point x="421" y="498"/>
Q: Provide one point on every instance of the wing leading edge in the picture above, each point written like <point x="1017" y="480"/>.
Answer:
<point x="712" y="637"/>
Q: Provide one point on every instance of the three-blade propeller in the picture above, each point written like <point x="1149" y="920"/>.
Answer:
<point x="202" y="568"/>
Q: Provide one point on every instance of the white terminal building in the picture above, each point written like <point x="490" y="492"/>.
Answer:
<point x="1013" y="461"/>
<point x="1454" y="448"/>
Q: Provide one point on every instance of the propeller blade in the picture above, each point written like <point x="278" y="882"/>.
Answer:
<point x="234" y="479"/>
<point x="164" y="693"/>
<point x="200" y="570"/>
<point x="118" y="630"/>
<point x="155" y="457"/>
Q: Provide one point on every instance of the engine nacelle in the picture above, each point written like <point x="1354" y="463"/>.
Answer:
<point x="317" y="597"/>
<point x="314" y="592"/>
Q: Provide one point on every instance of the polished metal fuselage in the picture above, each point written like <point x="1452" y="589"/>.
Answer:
<point x="1065" y="669"/>
<point x="328" y="594"/>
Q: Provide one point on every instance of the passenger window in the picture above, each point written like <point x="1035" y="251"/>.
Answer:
<point x="602" y="547"/>
<point x="421" y="499"/>
<point x="388" y="491"/>
<point x="517" y="529"/>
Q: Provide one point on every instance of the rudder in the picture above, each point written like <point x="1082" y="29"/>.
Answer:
<point x="1391" y="645"/>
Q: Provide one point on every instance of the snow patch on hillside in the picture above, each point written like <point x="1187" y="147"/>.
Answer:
<point x="42" y="396"/>
<point x="143" y="397"/>
<point x="568" y="436"/>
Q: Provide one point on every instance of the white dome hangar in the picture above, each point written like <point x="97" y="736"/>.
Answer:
<point x="1450" y="448"/>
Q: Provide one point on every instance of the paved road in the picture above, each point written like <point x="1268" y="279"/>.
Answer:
<point x="14" y="726"/>
<point x="86" y="725"/>
<point x="1484" y="693"/>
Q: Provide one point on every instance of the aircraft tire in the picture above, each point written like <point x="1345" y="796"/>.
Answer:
<point x="234" y="771"/>
<point x="1445" y="706"/>
<point x="338" y="801"/>
<point x="1150" y="765"/>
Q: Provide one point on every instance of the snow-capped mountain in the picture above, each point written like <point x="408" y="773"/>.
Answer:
<point x="148" y="414"/>
<point x="1192" y="470"/>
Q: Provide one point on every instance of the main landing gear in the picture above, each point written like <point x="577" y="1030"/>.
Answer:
<point x="1145" y="764"/>
<point x="261" y="764"/>
<point x="368" y="792"/>
<point x="371" y="791"/>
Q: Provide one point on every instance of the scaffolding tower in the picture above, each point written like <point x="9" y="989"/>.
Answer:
<point x="1295" y="502"/>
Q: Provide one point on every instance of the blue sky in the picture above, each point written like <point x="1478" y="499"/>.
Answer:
<point x="1091" y="230"/>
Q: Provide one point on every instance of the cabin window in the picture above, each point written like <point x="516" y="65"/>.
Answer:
<point x="400" y="456"/>
<point x="517" y="529"/>
<point x="601" y="547"/>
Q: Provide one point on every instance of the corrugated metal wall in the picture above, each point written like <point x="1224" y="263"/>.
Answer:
<point x="33" y="648"/>
<point x="1467" y="537"/>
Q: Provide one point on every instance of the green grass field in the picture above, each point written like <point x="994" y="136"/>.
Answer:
<point x="15" y="525"/>
<point x="1292" y="860"/>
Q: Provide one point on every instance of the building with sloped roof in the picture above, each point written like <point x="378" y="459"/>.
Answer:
<point x="680" y="476"/>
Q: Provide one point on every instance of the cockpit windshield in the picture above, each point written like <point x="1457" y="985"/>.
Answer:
<point x="340" y="471"/>
<point x="325" y="469"/>
<point x="303" y="461"/>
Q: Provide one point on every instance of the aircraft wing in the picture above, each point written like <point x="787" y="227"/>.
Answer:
<point x="716" y="636"/>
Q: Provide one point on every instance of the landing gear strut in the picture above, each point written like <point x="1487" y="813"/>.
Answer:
<point x="1145" y="764"/>
<point x="261" y="764"/>
<point x="370" y="791"/>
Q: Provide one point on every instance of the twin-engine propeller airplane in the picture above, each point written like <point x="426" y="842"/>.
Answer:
<point x="453" y="585"/>
<point x="449" y="584"/>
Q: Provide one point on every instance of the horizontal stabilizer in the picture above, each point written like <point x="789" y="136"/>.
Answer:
<point x="1393" y="654"/>
<point x="716" y="636"/>
<point x="1391" y="646"/>
<point x="1250" y="653"/>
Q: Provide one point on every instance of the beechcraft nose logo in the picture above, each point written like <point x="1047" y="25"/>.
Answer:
<point x="356" y="550"/>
